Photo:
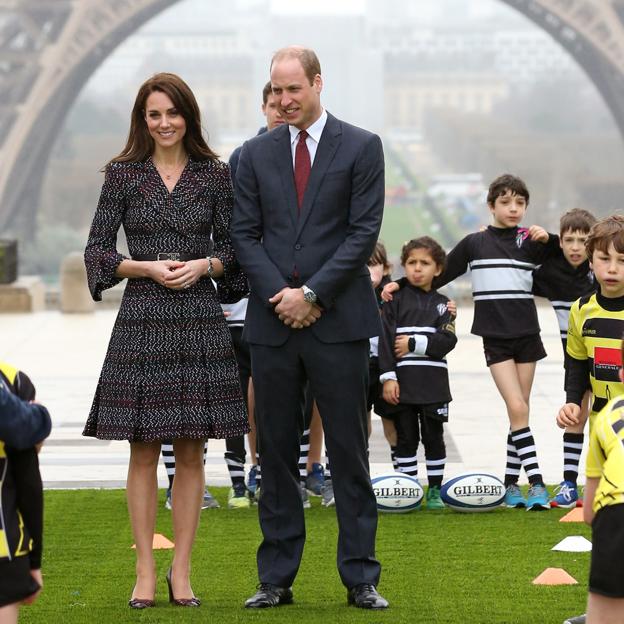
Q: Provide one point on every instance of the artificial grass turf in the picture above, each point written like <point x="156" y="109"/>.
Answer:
<point x="438" y="566"/>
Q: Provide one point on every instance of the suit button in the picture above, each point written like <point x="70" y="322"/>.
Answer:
<point x="297" y="246"/>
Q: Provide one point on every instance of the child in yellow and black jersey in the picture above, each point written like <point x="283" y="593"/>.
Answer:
<point x="605" y="487"/>
<point x="596" y="326"/>
<point x="22" y="426"/>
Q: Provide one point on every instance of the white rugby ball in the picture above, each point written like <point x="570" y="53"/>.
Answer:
<point x="397" y="492"/>
<point x="473" y="491"/>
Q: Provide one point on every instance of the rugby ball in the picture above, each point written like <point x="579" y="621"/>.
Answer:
<point x="397" y="492"/>
<point x="473" y="491"/>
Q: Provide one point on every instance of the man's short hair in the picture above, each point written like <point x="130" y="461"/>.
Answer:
<point x="504" y="183"/>
<point x="266" y="91"/>
<point x="307" y="57"/>
<point x="605" y="232"/>
<point x="575" y="220"/>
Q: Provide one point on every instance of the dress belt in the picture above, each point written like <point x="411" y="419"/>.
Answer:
<point x="175" y="256"/>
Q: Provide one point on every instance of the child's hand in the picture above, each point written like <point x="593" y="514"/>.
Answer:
<point x="391" y="392"/>
<point x="451" y="306"/>
<point x="388" y="289"/>
<point x="569" y="415"/>
<point x="401" y="346"/>
<point x="538" y="234"/>
<point x="36" y="574"/>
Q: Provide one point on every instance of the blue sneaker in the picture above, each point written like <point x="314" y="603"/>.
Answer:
<point x="513" y="496"/>
<point x="315" y="479"/>
<point x="209" y="501"/>
<point x="537" y="498"/>
<point x="252" y="480"/>
<point x="566" y="495"/>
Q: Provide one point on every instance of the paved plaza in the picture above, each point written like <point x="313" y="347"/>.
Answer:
<point x="63" y="354"/>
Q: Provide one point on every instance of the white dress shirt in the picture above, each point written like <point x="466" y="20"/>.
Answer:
<point x="314" y="136"/>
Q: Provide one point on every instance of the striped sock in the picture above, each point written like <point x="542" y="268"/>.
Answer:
<point x="395" y="466"/>
<point x="304" y="451"/>
<point x="572" y="447"/>
<point x="435" y="471"/>
<point x="327" y="468"/>
<point x="258" y="472"/>
<point x="525" y="447"/>
<point x="236" y="467"/>
<point x="408" y="465"/>
<point x="166" y="450"/>
<point x="512" y="469"/>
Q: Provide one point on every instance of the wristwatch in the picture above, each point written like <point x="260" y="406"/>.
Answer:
<point x="308" y="294"/>
<point x="411" y="344"/>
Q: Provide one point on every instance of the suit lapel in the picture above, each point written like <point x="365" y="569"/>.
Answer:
<point x="283" y="157"/>
<point x="330" y="140"/>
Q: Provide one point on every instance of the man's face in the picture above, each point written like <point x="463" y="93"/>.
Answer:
<point x="299" y="101"/>
<point x="272" y="113"/>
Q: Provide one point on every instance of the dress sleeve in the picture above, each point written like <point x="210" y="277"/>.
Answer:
<point x="101" y="255"/>
<point x="232" y="286"/>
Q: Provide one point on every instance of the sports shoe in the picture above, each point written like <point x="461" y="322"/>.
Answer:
<point x="209" y="501"/>
<point x="578" y="619"/>
<point x="314" y="480"/>
<point x="304" y="497"/>
<point x="327" y="492"/>
<point x="237" y="497"/>
<point x="168" y="499"/>
<point x="513" y="496"/>
<point x="434" y="501"/>
<point x="537" y="498"/>
<point x="252" y="480"/>
<point x="566" y="495"/>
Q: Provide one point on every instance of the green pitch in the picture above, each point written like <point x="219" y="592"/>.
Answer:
<point x="437" y="567"/>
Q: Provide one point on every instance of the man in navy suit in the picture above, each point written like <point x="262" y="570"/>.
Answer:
<point x="308" y="209"/>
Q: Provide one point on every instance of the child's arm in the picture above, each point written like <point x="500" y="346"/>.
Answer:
<point x="456" y="262"/>
<point x="436" y="345"/>
<point x="29" y="495"/>
<point x="591" y="485"/>
<point x="22" y="425"/>
<point x="387" y="360"/>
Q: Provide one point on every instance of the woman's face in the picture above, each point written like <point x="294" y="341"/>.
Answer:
<point x="165" y="123"/>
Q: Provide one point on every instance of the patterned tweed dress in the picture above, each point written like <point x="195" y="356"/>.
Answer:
<point x="170" y="371"/>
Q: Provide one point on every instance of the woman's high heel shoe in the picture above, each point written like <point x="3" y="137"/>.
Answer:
<point x="141" y="603"/>
<point x="180" y="602"/>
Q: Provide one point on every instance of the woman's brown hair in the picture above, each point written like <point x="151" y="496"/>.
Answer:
<point x="140" y="144"/>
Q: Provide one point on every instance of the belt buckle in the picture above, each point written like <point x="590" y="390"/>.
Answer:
<point x="168" y="256"/>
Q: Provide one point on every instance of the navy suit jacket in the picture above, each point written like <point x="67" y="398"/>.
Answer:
<point x="326" y="245"/>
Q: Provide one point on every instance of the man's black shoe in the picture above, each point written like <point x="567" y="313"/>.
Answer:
<point x="269" y="595"/>
<point x="365" y="596"/>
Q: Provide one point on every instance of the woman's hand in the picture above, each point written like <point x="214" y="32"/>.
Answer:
<point x="159" y="270"/>
<point x="188" y="274"/>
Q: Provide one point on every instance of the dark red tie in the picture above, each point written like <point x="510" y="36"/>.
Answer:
<point x="302" y="167"/>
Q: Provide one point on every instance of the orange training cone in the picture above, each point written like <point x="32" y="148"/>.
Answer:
<point x="576" y="515"/>
<point x="554" y="576"/>
<point x="160" y="542"/>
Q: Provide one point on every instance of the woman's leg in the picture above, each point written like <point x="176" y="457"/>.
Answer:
<point x="142" y="494"/>
<point x="188" y="491"/>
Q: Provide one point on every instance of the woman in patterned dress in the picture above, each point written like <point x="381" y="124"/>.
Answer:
<point x="170" y="371"/>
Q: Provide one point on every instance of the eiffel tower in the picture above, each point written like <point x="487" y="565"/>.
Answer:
<point x="49" y="49"/>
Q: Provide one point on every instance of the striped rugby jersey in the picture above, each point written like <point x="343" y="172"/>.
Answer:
<point x="562" y="284"/>
<point x="594" y="338"/>
<point x="423" y="374"/>
<point x="501" y="263"/>
<point x="605" y="458"/>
